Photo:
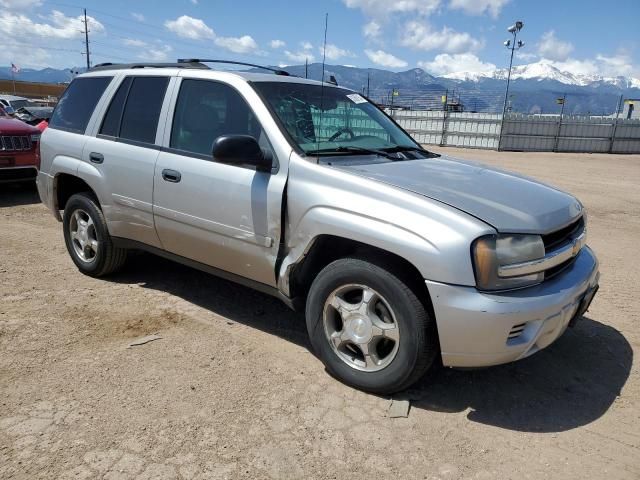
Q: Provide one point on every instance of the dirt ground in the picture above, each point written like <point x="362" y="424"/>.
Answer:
<point x="231" y="390"/>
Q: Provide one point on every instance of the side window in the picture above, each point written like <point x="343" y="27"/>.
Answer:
<point x="77" y="103"/>
<point x="142" y="110"/>
<point x="206" y="110"/>
<point x="135" y="109"/>
<point x="111" y="122"/>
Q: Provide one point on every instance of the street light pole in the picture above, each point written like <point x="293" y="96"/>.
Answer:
<point x="513" y="46"/>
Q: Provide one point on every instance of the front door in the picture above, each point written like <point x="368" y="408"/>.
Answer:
<point x="224" y="216"/>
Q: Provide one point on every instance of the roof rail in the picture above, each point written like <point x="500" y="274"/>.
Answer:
<point x="122" y="66"/>
<point x="231" y="62"/>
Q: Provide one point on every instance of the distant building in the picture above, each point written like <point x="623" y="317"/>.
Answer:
<point x="631" y="108"/>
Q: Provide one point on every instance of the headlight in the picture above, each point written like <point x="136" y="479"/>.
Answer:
<point x="493" y="251"/>
<point x="35" y="137"/>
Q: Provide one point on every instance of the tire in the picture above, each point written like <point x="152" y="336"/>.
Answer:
<point x="409" y="346"/>
<point x="82" y="215"/>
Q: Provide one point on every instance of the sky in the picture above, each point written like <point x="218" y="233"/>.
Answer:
<point x="441" y="36"/>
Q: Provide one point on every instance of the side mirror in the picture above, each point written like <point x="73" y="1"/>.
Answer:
<point x="241" y="150"/>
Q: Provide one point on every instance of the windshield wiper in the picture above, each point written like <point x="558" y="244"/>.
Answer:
<point x="353" y="149"/>
<point x="407" y="148"/>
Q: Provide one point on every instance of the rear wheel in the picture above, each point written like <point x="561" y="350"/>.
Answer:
<point x="369" y="327"/>
<point x="87" y="238"/>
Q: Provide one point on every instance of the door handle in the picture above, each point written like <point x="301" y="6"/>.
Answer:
<point x="172" y="176"/>
<point x="96" y="157"/>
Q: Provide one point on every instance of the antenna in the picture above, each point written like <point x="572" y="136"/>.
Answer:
<point x="324" y="56"/>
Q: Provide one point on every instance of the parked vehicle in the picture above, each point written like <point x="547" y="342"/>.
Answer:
<point x="33" y="115"/>
<point x="309" y="192"/>
<point x="11" y="103"/>
<point x="19" y="155"/>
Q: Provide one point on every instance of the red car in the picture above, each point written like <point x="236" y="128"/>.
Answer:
<point x="19" y="152"/>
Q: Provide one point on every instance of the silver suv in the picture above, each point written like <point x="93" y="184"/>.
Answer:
<point x="399" y="257"/>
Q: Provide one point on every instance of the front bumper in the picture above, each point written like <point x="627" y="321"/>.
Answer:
<point x="480" y="329"/>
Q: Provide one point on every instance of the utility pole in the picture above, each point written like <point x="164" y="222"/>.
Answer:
<point x="86" y="39"/>
<point x="445" y="100"/>
<point x="615" y="124"/>
<point x="306" y="68"/>
<point x="368" y="75"/>
<point x="561" y="101"/>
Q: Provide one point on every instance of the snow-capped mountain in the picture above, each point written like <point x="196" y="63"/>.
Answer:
<point x="541" y="71"/>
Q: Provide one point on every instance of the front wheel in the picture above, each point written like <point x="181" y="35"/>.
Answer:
<point x="369" y="328"/>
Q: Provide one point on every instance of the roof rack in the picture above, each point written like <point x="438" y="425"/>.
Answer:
<point x="230" y="62"/>
<point x="122" y="66"/>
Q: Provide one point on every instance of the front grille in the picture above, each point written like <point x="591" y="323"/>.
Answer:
<point x="558" y="239"/>
<point x="565" y="235"/>
<point x="15" y="143"/>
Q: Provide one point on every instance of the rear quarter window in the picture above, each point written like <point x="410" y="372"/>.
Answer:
<point x="77" y="103"/>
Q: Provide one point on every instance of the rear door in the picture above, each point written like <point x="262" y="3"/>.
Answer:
<point x="125" y="151"/>
<point x="224" y="216"/>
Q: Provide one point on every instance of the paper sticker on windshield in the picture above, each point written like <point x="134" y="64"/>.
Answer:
<point x="355" y="98"/>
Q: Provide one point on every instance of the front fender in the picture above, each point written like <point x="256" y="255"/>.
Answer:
<point x="323" y="220"/>
<point x="434" y="237"/>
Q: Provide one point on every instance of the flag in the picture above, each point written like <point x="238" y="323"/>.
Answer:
<point x="15" y="68"/>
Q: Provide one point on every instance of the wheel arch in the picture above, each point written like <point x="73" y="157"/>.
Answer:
<point x="66" y="185"/>
<point x="325" y="249"/>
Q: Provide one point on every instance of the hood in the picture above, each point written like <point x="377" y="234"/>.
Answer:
<point x="508" y="202"/>
<point x="13" y="126"/>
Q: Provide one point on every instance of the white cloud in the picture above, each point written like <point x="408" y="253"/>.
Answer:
<point x="306" y="45"/>
<point x="189" y="27"/>
<point x="459" y="62"/>
<point x="421" y="36"/>
<point x="149" y="52"/>
<point x="20" y="4"/>
<point x="381" y="8"/>
<point x="334" y="52"/>
<point x="132" y="42"/>
<point x="372" y="30"/>
<point x="195" y="2"/>
<point x="276" y="44"/>
<point x="158" y="53"/>
<point x="138" y="16"/>
<point x="28" y="56"/>
<point x="479" y="7"/>
<point x="244" y="44"/>
<point x="61" y="27"/>
<point x="607" y="66"/>
<point x="385" y="59"/>
<point x="300" y="56"/>
<point x="525" y="56"/>
<point x="551" y="47"/>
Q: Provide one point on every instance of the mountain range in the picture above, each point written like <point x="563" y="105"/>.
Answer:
<point x="535" y="88"/>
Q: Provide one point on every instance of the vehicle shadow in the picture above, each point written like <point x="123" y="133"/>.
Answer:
<point x="16" y="194"/>
<point x="571" y="383"/>
<point x="225" y="298"/>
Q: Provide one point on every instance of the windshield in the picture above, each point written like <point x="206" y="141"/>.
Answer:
<point x="330" y="120"/>
<point x="16" y="104"/>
